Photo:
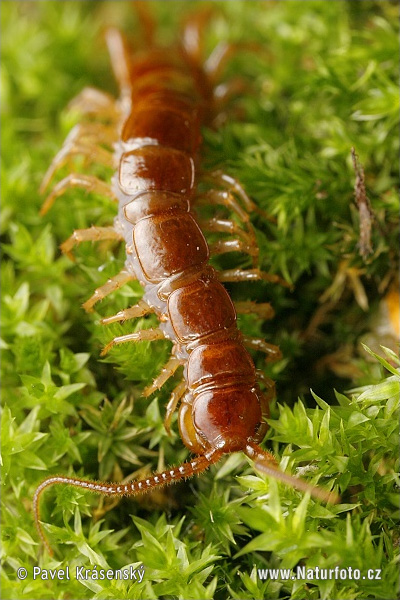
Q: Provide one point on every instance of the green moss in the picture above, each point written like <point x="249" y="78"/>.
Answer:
<point x="322" y="77"/>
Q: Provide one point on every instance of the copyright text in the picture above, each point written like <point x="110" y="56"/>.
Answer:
<point x="84" y="574"/>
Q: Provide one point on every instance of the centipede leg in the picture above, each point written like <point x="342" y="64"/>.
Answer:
<point x="193" y="38"/>
<point x="273" y="352"/>
<point x="138" y="310"/>
<point x="93" y="102"/>
<point x="247" y="307"/>
<point x="173" y="402"/>
<point x="93" y="154"/>
<point x="145" y="335"/>
<point x="113" y="284"/>
<point x="235" y="245"/>
<point x="265" y="399"/>
<point x="216" y="225"/>
<point x="224" y="198"/>
<point x="77" y="180"/>
<point x="232" y="185"/>
<point x="269" y="385"/>
<point x="119" y="56"/>
<point x="93" y="234"/>
<point x="244" y="242"/>
<point x="250" y="275"/>
<point x="92" y="132"/>
<point x="167" y="371"/>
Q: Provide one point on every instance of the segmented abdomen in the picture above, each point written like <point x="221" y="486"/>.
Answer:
<point x="166" y="249"/>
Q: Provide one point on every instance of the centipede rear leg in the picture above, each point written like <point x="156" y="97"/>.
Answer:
<point x="233" y="185"/>
<point x="193" y="33"/>
<point x="168" y="370"/>
<point x="248" y="275"/>
<point x="111" y="285"/>
<point x="268" y="383"/>
<point x="217" y="225"/>
<point x="243" y="241"/>
<point x="234" y="245"/>
<point x="141" y="309"/>
<point x="92" y="234"/>
<point x="90" y="183"/>
<point x="247" y="243"/>
<point x="177" y="394"/>
<point x="263" y="310"/>
<point x="144" y="335"/>
<point x="91" y="139"/>
<point x="92" y="154"/>
<point x="92" y="131"/>
<point x="170" y="367"/>
<point x="230" y="199"/>
<point x="96" y="103"/>
<point x="226" y="199"/>
<point x="273" y="352"/>
<point x="84" y="137"/>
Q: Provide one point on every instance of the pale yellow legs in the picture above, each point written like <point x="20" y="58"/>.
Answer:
<point x="113" y="284"/>
<point x="93" y="234"/>
<point x="144" y="335"/>
<point x="77" y="180"/>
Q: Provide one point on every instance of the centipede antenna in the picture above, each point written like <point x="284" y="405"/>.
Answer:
<point x="264" y="462"/>
<point x="184" y="471"/>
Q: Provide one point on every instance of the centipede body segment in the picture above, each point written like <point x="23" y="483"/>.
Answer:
<point x="151" y="136"/>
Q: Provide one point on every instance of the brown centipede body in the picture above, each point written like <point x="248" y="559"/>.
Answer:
<point x="153" y="136"/>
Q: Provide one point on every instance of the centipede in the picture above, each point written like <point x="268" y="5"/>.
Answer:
<point x="151" y="137"/>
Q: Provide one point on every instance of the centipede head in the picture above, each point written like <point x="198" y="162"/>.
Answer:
<point x="230" y="420"/>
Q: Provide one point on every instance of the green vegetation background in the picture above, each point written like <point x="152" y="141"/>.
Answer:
<point x="326" y="81"/>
